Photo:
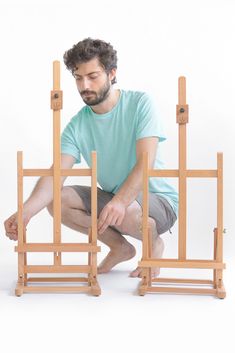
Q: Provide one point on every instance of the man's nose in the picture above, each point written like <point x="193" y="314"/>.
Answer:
<point x="85" y="84"/>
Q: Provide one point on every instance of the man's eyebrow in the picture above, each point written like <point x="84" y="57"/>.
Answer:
<point x="90" y="73"/>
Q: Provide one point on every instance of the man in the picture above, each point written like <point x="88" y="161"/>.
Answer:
<point x="120" y="125"/>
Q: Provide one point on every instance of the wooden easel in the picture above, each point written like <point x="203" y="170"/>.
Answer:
<point x="25" y="284"/>
<point x="149" y="284"/>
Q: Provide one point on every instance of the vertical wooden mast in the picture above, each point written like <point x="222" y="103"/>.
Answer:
<point x="56" y="105"/>
<point x="182" y="119"/>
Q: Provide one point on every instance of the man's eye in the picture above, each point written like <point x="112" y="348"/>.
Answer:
<point x="93" y="77"/>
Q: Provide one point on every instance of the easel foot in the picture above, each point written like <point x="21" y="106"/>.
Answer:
<point x="142" y="290"/>
<point x="95" y="288"/>
<point x="221" y="293"/>
<point x="19" y="290"/>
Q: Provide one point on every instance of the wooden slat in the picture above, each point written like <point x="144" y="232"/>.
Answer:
<point x="145" y="206"/>
<point x="76" y="172"/>
<point x="21" y="257"/>
<point x="145" y="209"/>
<point x="56" y="289"/>
<point x="200" y="173"/>
<point x="181" y="290"/>
<point x="37" y="172"/>
<point x="219" y="229"/>
<point x="64" y="172"/>
<point x="150" y="248"/>
<point x="219" y="255"/>
<point x="171" y="173"/>
<point x="57" y="279"/>
<point x="183" y="280"/>
<point x="46" y="247"/>
<point x="93" y="231"/>
<point x="56" y="167"/>
<point x="57" y="269"/>
<point x="182" y="174"/>
<point x="172" y="263"/>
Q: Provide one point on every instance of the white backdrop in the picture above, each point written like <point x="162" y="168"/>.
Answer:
<point x="157" y="41"/>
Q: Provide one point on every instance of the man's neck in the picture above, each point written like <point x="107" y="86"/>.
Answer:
<point x="107" y="105"/>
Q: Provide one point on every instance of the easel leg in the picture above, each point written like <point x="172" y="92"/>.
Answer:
<point x="218" y="274"/>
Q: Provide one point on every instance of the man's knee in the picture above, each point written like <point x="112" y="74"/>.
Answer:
<point x="67" y="193"/>
<point x="132" y="221"/>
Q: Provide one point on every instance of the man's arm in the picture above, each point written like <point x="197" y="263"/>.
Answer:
<point x="41" y="196"/>
<point x="114" y="212"/>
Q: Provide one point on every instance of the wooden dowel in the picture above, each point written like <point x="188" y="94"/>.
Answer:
<point x="219" y="248"/>
<point x="21" y="239"/>
<point x="181" y="290"/>
<point x="57" y="279"/>
<point x="65" y="247"/>
<point x="215" y="255"/>
<point x="182" y="170"/>
<point x="57" y="269"/>
<point x="219" y="256"/>
<point x="56" y="75"/>
<point x="93" y="256"/>
<point x="172" y="263"/>
<point x="183" y="281"/>
<point x="64" y="172"/>
<point x="56" y="289"/>
<point x="56" y="167"/>
<point x="182" y="90"/>
<point x="145" y="237"/>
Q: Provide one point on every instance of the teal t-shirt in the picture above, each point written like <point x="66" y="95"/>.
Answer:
<point x="113" y="136"/>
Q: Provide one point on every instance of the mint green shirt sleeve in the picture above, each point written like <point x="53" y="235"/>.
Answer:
<point x="148" y="119"/>
<point x="68" y="141"/>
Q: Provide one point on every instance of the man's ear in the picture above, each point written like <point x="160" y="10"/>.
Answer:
<point x="112" y="74"/>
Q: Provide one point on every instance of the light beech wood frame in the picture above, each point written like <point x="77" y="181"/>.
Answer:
<point x="25" y="284"/>
<point x="215" y="285"/>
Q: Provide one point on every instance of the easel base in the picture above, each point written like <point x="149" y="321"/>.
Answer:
<point x="92" y="286"/>
<point x="212" y="290"/>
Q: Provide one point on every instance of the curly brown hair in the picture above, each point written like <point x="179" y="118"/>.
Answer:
<point x="88" y="49"/>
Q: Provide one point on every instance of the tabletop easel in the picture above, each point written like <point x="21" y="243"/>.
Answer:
<point x="214" y="286"/>
<point x="25" y="284"/>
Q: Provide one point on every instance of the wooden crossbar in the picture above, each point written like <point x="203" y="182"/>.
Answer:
<point x="46" y="247"/>
<point x="182" y="173"/>
<point x="190" y="173"/>
<point x="57" y="269"/>
<point x="63" y="172"/>
<point x="175" y="263"/>
<point x="57" y="247"/>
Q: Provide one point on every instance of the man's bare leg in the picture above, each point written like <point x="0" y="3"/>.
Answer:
<point x="75" y="217"/>
<point x="157" y="251"/>
<point x="132" y="225"/>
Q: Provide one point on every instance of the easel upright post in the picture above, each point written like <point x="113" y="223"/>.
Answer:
<point x="21" y="255"/>
<point x="219" y="230"/>
<point x="56" y="105"/>
<point x="146" y="272"/>
<point x="182" y="119"/>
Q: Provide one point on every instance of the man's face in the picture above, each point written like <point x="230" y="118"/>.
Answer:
<point x="93" y="82"/>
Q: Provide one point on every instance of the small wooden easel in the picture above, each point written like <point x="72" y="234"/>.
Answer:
<point x="25" y="284"/>
<point x="215" y="285"/>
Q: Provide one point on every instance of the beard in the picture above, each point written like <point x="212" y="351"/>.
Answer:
<point x="93" y="98"/>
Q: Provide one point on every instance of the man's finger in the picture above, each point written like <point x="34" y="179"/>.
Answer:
<point x="102" y="218"/>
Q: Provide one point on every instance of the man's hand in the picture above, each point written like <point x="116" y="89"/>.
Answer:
<point x="112" y="214"/>
<point x="11" y="226"/>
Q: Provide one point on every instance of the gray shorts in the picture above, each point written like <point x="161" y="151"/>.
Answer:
<point x="159" y="208"/>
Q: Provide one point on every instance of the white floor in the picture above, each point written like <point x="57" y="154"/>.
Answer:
<point x="117" y="321"/>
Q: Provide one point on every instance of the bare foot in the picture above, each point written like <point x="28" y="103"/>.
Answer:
<point x="114" y="257"/>
<point x="157" y="251"/>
